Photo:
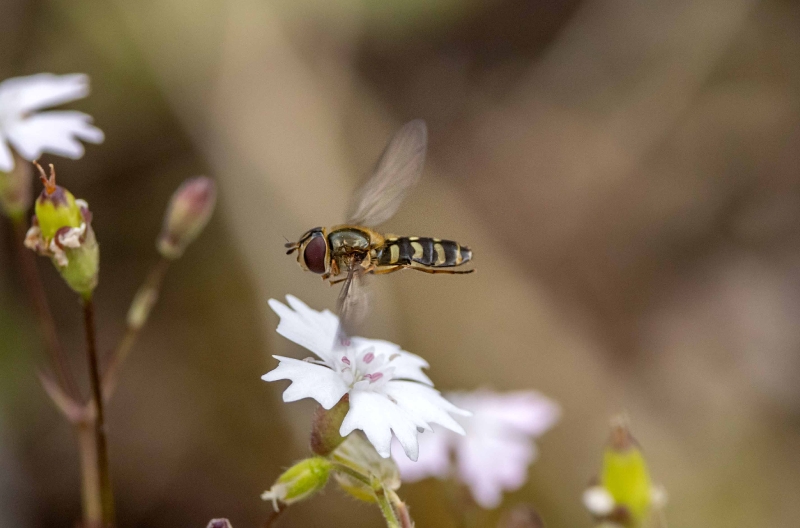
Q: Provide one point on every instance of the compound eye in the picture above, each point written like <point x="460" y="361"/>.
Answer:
<point x="314" y="254"/>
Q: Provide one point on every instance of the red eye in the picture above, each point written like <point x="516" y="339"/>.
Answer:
<point x="314" y="254"/>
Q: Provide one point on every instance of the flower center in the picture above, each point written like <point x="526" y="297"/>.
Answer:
<point x="363" y="368"/>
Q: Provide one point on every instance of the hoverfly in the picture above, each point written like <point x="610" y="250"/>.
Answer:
<point x="345" y="253"/>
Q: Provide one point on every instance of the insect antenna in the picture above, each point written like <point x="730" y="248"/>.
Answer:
<point x="292" y="246"/>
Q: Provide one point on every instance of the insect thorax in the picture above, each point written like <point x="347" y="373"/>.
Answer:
<point x="348" y="241"/>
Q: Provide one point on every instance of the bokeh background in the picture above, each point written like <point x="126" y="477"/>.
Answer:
<point x="626" y="172"/>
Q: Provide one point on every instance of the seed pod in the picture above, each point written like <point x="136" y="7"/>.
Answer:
<point x="62" y="230"/>
<point x="299" y="481"/>
<point x="624" y="493"/>
<point x="188" y="213"/>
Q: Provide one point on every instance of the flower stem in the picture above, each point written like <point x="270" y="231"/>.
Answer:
<point x="33" y="282"/>
<point x="353" y="472"/>
<point x="143" y="301"/>
<point x="101" y="444"/>
<point x="274" y="517"/>
<point x="386" y="508"/>
<point x="401" y="509"/>
<point x="90" y="478"/>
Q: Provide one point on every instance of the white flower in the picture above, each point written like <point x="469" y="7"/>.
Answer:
<point x="388" y="391"/>
<point x="598" y="501"/>
<point x="495" y="453"/>
<point x="32" y="133"/>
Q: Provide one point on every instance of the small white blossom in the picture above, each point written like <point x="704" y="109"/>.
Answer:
<point x="56" y="131"/>
<point x="389" y="392"/>
<point x="495" y="453"/>
<point x="598" y="501"/>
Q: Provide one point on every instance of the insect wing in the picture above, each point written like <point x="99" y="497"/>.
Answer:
<point x="353" y="302"/>
<point x="398" y="170"/>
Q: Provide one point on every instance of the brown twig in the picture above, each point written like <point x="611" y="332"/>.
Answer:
<point x="30" y="274"/>
<point x="101" y="444"/>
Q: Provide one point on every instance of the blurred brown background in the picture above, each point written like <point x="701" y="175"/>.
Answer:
<point x="626" y="172"/>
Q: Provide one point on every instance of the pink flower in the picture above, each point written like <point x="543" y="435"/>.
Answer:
<point x="497" y="449"/>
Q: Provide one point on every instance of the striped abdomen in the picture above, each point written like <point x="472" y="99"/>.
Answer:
<point x="428" y="252"/>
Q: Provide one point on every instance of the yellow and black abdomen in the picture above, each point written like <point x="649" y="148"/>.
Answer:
<point x="427" y="252"/>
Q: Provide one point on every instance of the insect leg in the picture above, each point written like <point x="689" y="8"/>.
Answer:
<point x="385" y="270"/>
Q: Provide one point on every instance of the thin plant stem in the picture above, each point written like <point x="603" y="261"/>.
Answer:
<point x="402" y="510"/>
<point x="148" y="291"/>
<point x="349" y="470"/>
<point x="101" y="444"/>
<point x="271" y="521"/>
<point x="386" y="508"/>
<point x="90" y="478"/>
<point x="33" y="281"/>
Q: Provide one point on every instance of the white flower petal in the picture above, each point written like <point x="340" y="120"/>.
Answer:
<point x="425" y="403"/>
<point x="56" y="132"/>
<point x="491" y="464"/>
<point x="598" y="501"/>
<point x="26" y="94"/>
<point x="527" y="411"/>
<point x="409" y="366"/>
<point x="378" y="417"/>
<point x="433" y="460"/>
<point x="315" y="331"/>
<point x="309" y="380"/>
<point x="6" y="158"/>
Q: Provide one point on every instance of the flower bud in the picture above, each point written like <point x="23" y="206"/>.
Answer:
<point x="325" y="427"/>
<point x="624" y="493"/>
<point x="16" y="192"/>
<point x="188" y="213"/>
<point x="62" y="230"/>
<point x="299" y="482"/>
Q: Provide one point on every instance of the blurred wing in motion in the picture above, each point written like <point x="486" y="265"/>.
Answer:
<point x="398" y="170"/>
<point x="353" y="301"/>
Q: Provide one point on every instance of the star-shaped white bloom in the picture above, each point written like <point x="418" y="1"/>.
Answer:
<point x="389" y="392"/>
<point x="56" y="131"/>
<point x="497" y="449"/>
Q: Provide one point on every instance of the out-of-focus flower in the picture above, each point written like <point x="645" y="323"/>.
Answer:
<point x="31" y="133"/>
<point x="624" y="494"/>
<point x="219" y="523"/>
<point x="188" y="213"/>
<point x="16" y="189"/>
<point x="521" y="516"/>
<point x="299" y="481"/>
<point x="388" y="392"/>
<point x="497" y="449"/>
<point x="62" y="230"/>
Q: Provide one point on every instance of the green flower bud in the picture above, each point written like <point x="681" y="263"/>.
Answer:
<point x="625" y="475"/>
<point x="16" y="192"/>
<point x="299" y="482"/>
<point x="62" y="230"/>
<point x="624" y="493"/>
<point x="56" y="207"/>
<point x="188" y="213"/>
